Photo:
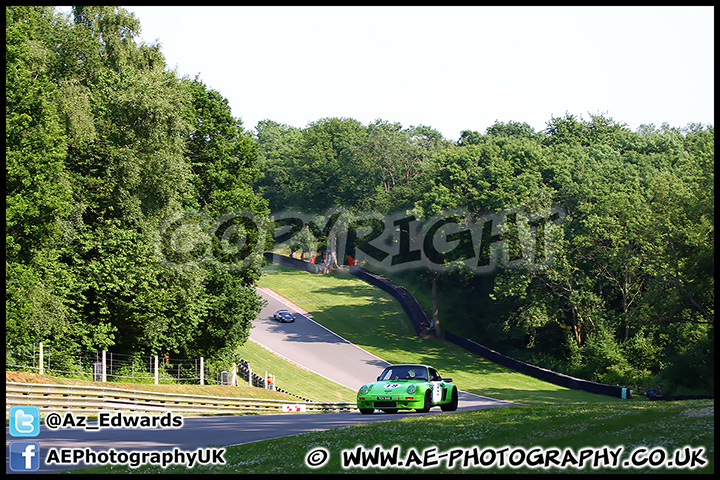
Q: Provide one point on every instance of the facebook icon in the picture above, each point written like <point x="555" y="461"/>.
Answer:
<point x="24" y="456"/>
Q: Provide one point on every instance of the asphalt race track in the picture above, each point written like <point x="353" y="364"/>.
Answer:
<point x="303" y="342"/>
<point x="312" y="346"/>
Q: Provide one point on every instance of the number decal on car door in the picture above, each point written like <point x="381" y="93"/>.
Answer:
<point x="437" y="391"/>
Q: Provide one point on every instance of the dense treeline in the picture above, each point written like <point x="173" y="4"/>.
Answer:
<point x="629" y="295"/>
<point x="103" y="145"/>
<point x="106" y="149"/>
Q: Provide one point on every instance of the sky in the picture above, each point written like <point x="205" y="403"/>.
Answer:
<point x="449" y="68"/>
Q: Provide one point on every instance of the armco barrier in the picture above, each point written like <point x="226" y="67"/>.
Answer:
<point x="74" y="397"/>
<point x="537" y="372"/>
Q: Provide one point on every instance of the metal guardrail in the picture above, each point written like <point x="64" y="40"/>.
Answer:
<point x="75" y="397"/>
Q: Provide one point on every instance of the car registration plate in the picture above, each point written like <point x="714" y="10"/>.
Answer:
<point x="384" y="398"/>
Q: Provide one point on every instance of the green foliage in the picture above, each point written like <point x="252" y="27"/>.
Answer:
<point x="223" y="155"/>
<point x="338" y="162"/>
<point x="103" y="145"/>
<point x="37" y="190"/>
<point x="625" y="271"/>
<point x="278" y="146"/>
<point x="690" y="363"/>
<point x="631" y="264"/>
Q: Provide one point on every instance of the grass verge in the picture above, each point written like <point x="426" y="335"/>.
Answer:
<point x="293" y="378"/>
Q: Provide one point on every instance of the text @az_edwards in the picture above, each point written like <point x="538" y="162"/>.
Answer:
<point x="55" y="420"/>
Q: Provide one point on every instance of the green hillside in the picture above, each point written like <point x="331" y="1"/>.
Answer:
<point x="374" y="320"/>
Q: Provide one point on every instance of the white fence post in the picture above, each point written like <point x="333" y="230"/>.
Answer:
<point x="42" y="367"/>
<point x="156" y="369"/>
<point x="202" y="371"/>
<point x="104" y="364"/>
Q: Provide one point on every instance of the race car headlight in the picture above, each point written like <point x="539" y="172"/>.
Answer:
<point x="365" y="389"/>
<point x="412" y="389"/>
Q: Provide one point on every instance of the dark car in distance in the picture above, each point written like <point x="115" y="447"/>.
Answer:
<point x="284" y="316"/>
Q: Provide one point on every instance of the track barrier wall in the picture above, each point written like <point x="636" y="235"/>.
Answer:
<point x="296" y="263"/>
<point x="537" y="372"/>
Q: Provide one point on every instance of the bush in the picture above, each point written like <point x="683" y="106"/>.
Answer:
<point x="690" y="366"/>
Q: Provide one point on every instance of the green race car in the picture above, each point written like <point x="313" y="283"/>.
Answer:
<point x="402" y="387"/>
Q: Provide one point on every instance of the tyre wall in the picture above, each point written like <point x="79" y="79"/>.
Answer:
<point x="421" y="324"/>
<point x="295" y="263"/>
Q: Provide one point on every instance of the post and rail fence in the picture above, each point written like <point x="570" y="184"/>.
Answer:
<point x="158" y="369"/>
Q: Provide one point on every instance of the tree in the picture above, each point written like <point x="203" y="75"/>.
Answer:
<point x="224" y="157"/>
<point x="499" y="174"/>
<point x="332" y="169"/>
<point x="38" y="195"/>
<point x="390" y="149"/>
<point x="400" y="154"/>
<point x="278" y="149"/>
<point x="629" y="204"/>
<point x="105" y="147"/>
<point x="37" y="190"/>
<point x="569" y="130"/>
